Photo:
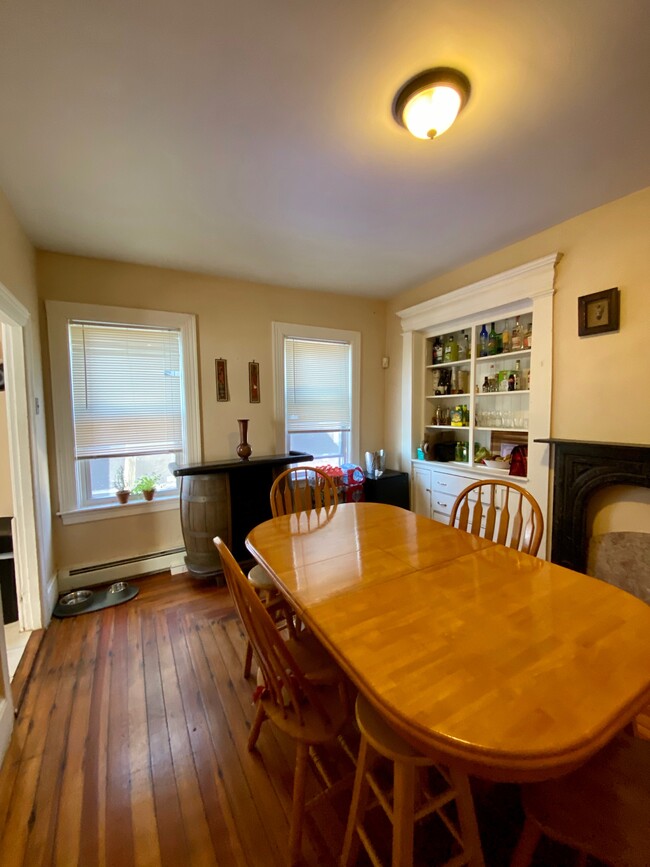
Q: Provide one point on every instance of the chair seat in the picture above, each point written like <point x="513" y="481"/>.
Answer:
<point x="260" y="578"/>
<point x="601" y="809"/>
<point x="317" y="665"/>
<point x="384" y="739"/>
<point x="313" y="730"/>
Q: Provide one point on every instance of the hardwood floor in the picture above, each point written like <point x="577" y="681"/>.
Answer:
<point x="130" y="749"/>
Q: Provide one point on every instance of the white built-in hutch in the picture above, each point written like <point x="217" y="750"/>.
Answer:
<point x="505" y="396"/>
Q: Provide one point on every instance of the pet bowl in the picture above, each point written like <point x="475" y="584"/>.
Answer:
<point x="77" y="597"/>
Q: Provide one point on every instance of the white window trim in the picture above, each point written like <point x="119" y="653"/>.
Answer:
<point x="59" y="313"/>
<point x="282" y="330"/>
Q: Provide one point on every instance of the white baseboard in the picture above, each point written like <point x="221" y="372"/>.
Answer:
<point x="136" y="567"/>
<point x="6" y="722"/>
<point x="50" y="599"/>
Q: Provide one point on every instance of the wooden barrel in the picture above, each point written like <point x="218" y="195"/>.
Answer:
<point x="205" y="513"/>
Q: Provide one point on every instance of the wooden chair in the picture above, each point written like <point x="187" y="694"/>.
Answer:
<point x="410" y="770"/>
<point x="298" y="489"/>
<point x="501" y="511"/>
<point x="302" y="489"/>
<point x="602" y="809"/>
<point x="301" y="704"/>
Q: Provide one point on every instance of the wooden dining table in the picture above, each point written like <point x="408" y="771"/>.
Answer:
<point x="506" y="666"/>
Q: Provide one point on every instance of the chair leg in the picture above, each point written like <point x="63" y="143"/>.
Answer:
<point x="526" y="845"/>
<point x="249" y="659"/>
<point x="260" y="716"/>
<point x="360" y="793"/>
<point x="467" y="818"/>
<point x="298" y="806"/>
<point x="403" y="813"/>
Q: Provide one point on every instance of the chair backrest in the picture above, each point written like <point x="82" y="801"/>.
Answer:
<point x="501" y="511"/>
<point x="285" y="684"/>
<point x="302" y="489"/>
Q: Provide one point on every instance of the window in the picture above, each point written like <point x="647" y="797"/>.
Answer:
<point x="317" y="391"/>
<point x="125" y="400"/>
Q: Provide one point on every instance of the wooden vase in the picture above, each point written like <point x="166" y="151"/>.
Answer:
<point x="243" y="449"/>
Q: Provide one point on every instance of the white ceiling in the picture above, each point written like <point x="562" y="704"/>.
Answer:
<point x="254" y="138"/>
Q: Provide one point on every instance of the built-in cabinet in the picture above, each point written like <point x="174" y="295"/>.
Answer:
<point x="477" y="367"/>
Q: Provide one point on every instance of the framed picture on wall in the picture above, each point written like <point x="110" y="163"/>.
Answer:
<point x="221" y="370"/>
<point x="253" y="382"/>
<point x="598" y="312"/>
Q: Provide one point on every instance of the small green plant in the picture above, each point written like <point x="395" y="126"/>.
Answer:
<point x="146" y="483"/>
<point x="118" y="480"/>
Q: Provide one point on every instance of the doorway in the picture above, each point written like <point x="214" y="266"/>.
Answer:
<point x="19" y="365"/>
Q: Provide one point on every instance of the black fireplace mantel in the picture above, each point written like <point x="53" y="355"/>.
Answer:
<point x="580" y="469"/>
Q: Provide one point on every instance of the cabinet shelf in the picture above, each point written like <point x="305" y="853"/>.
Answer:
<point x="446" y="396"/>
<point x="507" y="429"/>
<point x="446" y="427"/>
<point x="501" y="393"/>
<point x="518" y="353"/>
<point x="441" y="364"/>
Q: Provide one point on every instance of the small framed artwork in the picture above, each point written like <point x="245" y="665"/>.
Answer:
<point x="221" y="370"/>
<point x="598" y="312"/>
<point x="253" y="382"/>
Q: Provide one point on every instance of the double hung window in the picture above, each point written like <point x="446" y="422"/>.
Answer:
<point x="125" y="400"/>
<point x="317" y="386"/>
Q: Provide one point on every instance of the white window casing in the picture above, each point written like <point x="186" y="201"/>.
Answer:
<point x="320" y="390"/>
<point x="103" y="371"/>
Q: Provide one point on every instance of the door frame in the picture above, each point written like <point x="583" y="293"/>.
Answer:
<point x="16" y="335"/>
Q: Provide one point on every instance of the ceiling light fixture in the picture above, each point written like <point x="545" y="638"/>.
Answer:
<point x="429" y="103"/>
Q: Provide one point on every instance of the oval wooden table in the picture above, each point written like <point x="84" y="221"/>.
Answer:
<point x="507" y="666"/>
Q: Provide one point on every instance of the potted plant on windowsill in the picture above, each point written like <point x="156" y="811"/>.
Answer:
<point x="146" y="485"/>
<point x="121" y="490"/>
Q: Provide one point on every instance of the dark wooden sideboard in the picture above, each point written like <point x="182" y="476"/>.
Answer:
<point x="227" y="499"/>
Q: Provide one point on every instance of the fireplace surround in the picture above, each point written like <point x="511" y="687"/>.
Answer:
<point x="580" y="469"/>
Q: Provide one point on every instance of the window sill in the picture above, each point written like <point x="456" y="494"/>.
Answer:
<point x="119" y="510"/>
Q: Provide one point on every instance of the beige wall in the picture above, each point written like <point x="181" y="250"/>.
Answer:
<point x="600" y="383"/>
<point x="234" y="321"/>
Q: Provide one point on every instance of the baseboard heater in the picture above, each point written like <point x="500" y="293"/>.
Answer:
<point x="120" y="570"/>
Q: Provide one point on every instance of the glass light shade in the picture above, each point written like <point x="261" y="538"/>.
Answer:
<point x="431" y="112"/>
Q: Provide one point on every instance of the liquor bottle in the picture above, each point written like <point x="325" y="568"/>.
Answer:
<point x="451" y="349"/>
<point x="511" y="381"/>
<point x="486" y="385"/>
<point x="437" y="351"/>
<point x="528" y="338"/>
<point x="517" y="375"/>
<point x="493" y="346"/>
<point x="505" y="337"/>
<point x="462" y="347"/>
<point x="516" y="339"/>
<point x="483" y="342"/>
<point x="468" y="346"/>
<point x="492" y="378"/>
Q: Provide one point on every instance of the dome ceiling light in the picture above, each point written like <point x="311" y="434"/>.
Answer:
<point x="429" y="103"/>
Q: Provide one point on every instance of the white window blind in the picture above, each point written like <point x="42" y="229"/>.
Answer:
<point x="126" y="390"/>
<point x="317" y="385"/>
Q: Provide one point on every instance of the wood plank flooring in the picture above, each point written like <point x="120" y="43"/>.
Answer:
<point x="129" y="750"/>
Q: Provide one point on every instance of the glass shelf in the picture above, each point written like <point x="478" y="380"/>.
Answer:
<point x="519" y="353"/>
<point x="441" y="364"/>
<point x="498" y="393"/>
<point x="447" y="396"/>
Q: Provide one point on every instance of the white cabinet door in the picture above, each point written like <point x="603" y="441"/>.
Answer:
<point x="421" y="493"/>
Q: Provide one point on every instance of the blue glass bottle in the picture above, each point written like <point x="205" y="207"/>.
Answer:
<point x="483" y="341"/>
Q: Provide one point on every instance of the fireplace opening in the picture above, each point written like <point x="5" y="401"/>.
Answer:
<point x="618" y="530"/>
<point x="582" y="471"/>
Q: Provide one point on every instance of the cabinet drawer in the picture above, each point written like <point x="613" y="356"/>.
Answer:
<point x="452" y="485"/>
<point x="442" y="503"/>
